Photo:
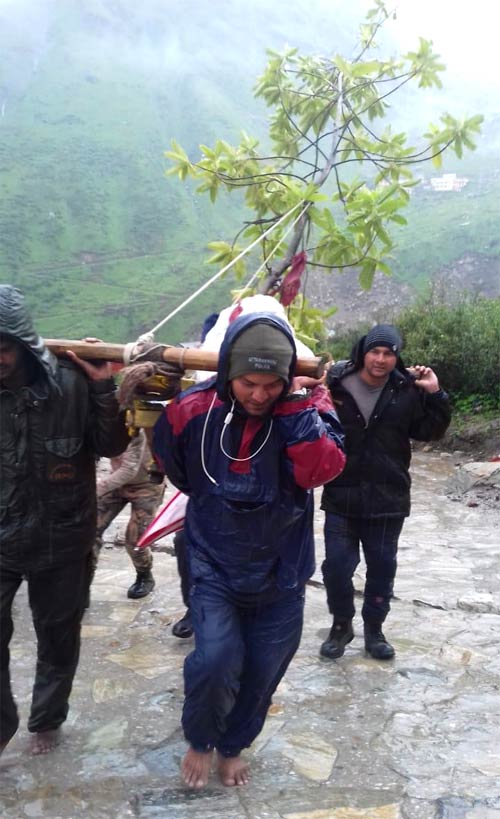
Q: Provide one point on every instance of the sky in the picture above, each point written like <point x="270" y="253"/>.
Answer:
<point x="464" y="34"/>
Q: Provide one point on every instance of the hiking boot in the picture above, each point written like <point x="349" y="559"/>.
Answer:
<point x="184" y="627"/>
<point x="376" y="644"/>
<point x="341" y="633"/>
<point x="143" y="585"/>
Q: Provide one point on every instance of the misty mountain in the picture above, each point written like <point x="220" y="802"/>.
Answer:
<point x="91" y="94"/>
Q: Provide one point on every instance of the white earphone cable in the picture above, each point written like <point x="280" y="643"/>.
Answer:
<point x="226" y="424"/>
<point x="227" y="421"/>
<point x="203" y="434"/>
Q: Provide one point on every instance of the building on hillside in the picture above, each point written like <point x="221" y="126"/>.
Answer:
<point x="448" y="182"/>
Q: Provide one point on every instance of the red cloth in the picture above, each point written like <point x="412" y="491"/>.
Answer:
<point x="292" y="281"/>
<point x="236" y="312"/>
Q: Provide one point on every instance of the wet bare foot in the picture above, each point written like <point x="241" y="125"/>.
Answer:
<point x="44" y="742"/>
<point x="195" y="768"/>
<point x="232" y="770"/>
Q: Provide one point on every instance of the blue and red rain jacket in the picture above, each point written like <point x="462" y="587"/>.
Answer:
<point x="250" y="521"/>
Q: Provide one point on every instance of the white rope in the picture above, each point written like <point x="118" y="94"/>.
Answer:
<point x="278" y="244"/>
<point x="149" y="336"/>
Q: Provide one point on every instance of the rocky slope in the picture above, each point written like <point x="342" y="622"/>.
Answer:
<point x="474" y="273"/>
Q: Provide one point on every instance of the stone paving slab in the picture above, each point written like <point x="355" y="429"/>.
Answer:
<point x="417" y="738"/>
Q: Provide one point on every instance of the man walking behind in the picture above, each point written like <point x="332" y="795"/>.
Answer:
<point x="129" y="482"/>
<point x="381" y="406"/>
<point x="247" y="447"/>
<point x="55" y="418"/>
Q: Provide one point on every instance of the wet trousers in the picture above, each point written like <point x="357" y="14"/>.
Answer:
<point x="242" y="650"/>
<point x="379" y="540"/>
<point x="143" y="505"/>
<point x="182" y="565"/>
<point x="56" y="598"/>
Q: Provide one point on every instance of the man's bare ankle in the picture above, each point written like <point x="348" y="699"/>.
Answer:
<point x="232" y="770"/>
<point x="43" y="742"/>
<point x="195" y="768"/>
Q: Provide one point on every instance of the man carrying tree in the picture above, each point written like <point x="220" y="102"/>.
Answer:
<point x="247" y="446"/>
<point x="56" y="416"/>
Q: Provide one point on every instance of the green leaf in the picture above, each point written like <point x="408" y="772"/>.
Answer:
<point x="437" y="161"/>
<point x="367" y="274"/>
<point x="384" y="268"/>
<point x="207" y="151"/>
<point x="224" y="253"/>
<point x="320" y="140"/>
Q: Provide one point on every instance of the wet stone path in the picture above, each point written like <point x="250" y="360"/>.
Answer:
<point x="416" y="738"/>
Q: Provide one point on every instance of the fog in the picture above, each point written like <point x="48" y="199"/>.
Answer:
<point x="183" y="36"/>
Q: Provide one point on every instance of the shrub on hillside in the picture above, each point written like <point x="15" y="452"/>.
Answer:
<point x="461" y="342"/>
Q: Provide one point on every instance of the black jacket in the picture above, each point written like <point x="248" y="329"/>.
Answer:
<point x="376" y="481"/>
<point x="50" y="434"/>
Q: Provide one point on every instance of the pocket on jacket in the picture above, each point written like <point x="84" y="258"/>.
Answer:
<point x="63" y="447"/>
<point x="62" y="459"/>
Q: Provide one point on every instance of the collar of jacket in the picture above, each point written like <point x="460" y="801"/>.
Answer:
<point x="398" y="378"/>
<point x="31" y="393"/>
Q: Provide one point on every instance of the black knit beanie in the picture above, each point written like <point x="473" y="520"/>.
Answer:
<point x="260" y="349"/>
<point x="383" y="335"/>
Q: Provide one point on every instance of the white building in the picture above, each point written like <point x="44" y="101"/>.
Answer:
<point x="448" y="182"/>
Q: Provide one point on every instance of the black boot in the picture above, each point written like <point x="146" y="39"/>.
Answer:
<point x="341" y="633"/>
<point x="376" y="644"/>
<point x="183" y="628"/>
<point x="143" y="585"/>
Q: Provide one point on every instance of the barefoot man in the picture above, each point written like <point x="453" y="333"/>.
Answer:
<point x="55" y="417"/>
<point x="247" y="446"/>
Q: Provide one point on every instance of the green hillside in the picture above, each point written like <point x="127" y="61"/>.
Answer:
<point x="92" y="231"/>
<point x="91" y="94"/>
<point x="444" y="227"/>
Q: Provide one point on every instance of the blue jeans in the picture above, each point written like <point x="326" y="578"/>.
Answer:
<point x="379" y="539"/>
<point x="242" y="650"/>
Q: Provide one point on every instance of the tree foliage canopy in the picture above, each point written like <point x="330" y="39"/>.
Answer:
<point x="342" y="175"/>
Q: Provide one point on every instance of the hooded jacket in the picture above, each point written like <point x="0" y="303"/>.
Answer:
<point x="249" y="521"/>
<point x="51" y="432"/>
<point x="376" y="480"/>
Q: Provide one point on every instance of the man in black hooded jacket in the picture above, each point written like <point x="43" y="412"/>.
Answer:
<point x="55" y="418"/>
<point x="381" y="406"/>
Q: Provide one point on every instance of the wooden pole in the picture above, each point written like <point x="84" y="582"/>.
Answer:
<point x="188" y="358"/>
<point x="98" y="350"/>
